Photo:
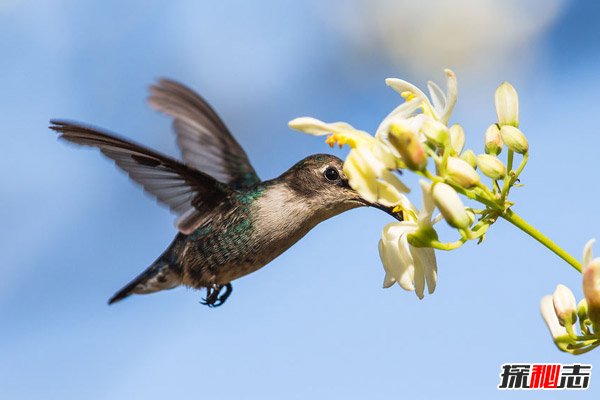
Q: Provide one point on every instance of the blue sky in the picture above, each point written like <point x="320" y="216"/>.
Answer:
<point x="315" y="322"/>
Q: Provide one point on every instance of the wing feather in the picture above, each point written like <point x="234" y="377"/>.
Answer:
<point x="189" y="193"/>
<point x="205" y="142"/>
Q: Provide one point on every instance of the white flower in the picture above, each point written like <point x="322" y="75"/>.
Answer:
<point x="404" y="263"/>
<point x="441" y="105"/>
<point x="438" y="109"/>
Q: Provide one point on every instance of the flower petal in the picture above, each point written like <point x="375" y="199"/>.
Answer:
<point x="403" y="111"/>
<point x="343" y="132"/>
<point x="565" y="305"/>
<point x="438" y="98"/>
<point x="547" y="309"/>
<point x="360" y="177"/>
<point x="394" y="181"/>
<point x="316" y="127"/>
<point x="370" y="161"/>
<point x="591" y="289"/>
<point x="383" y="151"/>
<point x="428" y="204"/>
<point x="402" y="86"/>
<point x="419" y="277"/>
<point x="425" y="257"/>
<point x="389" y="279"/>
<point x="387" y="194"/>
<point x="587" y="253"/>
<point x="407" y="273"/>
<point x="394" y="264"/>
<point x="396" y="255"/>
<point x="394" y="230"/>
<point x="451" y="95"/>
<point x="430" y="262"/>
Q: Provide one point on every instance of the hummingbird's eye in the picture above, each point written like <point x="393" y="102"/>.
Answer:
<point x="332" y="174"/>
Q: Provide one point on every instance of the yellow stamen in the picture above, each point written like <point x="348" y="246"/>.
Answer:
<point x="399" y="210"/>
<point x="427" y="110"/>
<point x="331" y="140"/>
<point x="409" y="215"/>
<point x="341" y="139"/>
<point x="408" y="96"/>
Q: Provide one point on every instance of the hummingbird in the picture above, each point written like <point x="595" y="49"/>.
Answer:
<point x="230" y="223"/>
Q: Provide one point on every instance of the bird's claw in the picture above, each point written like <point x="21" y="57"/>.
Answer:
<point x="214" y="298"/>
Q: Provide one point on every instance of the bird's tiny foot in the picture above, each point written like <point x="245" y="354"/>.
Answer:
<point x="212" y="293"/>
<point x="214" y="298"/>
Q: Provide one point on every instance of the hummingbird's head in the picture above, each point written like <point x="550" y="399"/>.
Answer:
<point x="320" y="181"/>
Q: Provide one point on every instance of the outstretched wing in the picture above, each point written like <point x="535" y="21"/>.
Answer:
<point x="189" y="193"/>
<point x="205" y="142"/>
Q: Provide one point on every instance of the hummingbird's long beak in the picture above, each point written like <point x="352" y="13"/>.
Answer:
<point x="388" y="210"/>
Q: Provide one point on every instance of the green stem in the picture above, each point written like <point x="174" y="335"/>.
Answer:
<point x="512" y="176"/>
<point x="520" y="223"/>
<point x="479" y="231"/>
<point x="486" y="190"/>
<point x="585" y="349"/>
<point x="446" y="246"/>
<point x="589" y="338"/>
<point x="506" y="185"/>
<point x="521" y="166"/>
<point x="509" y="164"/>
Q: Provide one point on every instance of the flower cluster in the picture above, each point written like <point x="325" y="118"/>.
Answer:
<point x="416" y="136"/>
<point x="562" y="314"/>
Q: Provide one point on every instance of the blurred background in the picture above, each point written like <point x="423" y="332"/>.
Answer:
<point x="315" y="322"/>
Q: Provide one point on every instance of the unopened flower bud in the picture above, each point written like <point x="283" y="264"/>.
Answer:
<point x="457" y="138"/>
<point x="461" y="172"/>
<point x="514" y="139"/>
<point x="507" y="105"/>
<point x="591" y="289"/>
<point x="469" y="157"/>
<point x="564" y="305"/>
<point x="493" y="140"/>
<point x="436" y="132"/>
<point x="491" y="166"/>
<point x="447" y="201"/>
<point x="582" y="310"/>
<point x="547" y="308"/>
<point x="407" y="142"/>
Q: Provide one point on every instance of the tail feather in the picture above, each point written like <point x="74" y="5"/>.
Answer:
<point x="158" y="276"/>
